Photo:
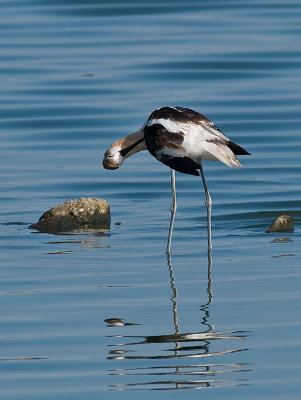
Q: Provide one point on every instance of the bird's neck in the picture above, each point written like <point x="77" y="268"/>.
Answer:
<point x="133" y="143"/>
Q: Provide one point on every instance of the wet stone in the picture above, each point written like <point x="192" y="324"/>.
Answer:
<point x="282" y="240"/>
<point x="284" y="223"/>
<point x="81" y="214"/>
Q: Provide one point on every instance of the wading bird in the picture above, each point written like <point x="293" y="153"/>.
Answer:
<point x="181" y="139"/>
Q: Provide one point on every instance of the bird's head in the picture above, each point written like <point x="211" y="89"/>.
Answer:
<point x="112" y="158"/>
<point x="123" y="148"/>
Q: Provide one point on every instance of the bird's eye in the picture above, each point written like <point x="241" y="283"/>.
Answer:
<point x="110" y="156"/>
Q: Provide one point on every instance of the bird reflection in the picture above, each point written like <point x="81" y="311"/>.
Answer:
<point x="186" y="346"/>
<point x="117" y="322"/>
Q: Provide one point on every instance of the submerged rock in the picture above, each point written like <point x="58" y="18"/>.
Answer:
<point x="281" y="240"/>
<point x="80" y="214"/>
<point x="284" y="223"/>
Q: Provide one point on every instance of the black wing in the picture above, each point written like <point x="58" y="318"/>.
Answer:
<point x="184" y="164"/>
<point x="167" y="148"/>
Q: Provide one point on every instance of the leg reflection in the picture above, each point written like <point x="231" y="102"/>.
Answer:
<point x="174" y="295"/>
<point x="209" y="277"/>
<point x="189" y="360"/>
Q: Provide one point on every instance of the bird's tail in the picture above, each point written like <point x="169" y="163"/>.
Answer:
<point x="222" y="152"/>
<point x="237" y="150"/>
<point x="228" y="159"/>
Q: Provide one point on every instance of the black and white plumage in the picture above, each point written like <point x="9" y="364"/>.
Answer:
<point x="180" y="138"/>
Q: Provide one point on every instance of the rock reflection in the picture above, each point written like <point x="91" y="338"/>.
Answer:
<point x="83" y="241"/>
<point x="175" y="349"/>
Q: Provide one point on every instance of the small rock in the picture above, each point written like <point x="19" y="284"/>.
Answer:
<point x="281" y="240"/>
<point x="284" y="223"/>
<point x="84" y="214"/>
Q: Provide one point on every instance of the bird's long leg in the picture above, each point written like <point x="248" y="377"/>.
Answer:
<point x="208" y="203"/>
<point x="173" y="209"/>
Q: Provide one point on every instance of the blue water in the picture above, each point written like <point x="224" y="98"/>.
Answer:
<point x="76" y="76"/>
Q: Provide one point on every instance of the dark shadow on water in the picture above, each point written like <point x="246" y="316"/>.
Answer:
<point x="209" y="353"/>
<point x="13" y="223"/>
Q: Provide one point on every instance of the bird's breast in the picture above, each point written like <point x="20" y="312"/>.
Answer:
<point x="157" y="138"/>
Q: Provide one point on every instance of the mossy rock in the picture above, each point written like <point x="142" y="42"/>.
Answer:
<point x="81" y="214"/>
